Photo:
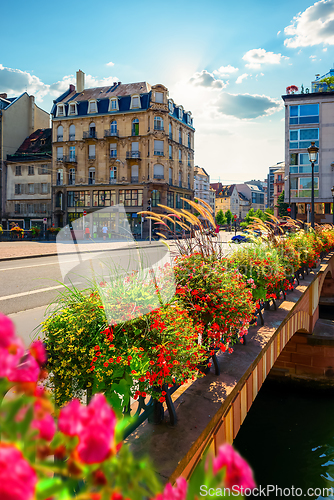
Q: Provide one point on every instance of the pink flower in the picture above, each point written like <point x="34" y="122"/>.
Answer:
<point x="94" y="425"/>
<point x="37" y="350"/>
<point x="43" y="422"/>
<point x="238" y="472"/>
<point x="26" y="369"/>
<point x="179" y="492"/>
<point x="17" y="478"/>
<point x="7" y="331"/>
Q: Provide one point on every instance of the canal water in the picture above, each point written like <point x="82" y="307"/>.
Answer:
<point x="288" y="437"/>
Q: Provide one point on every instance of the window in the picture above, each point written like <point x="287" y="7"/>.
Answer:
<point x="158" y="148"/>
<point x="91" y="152"/>
<point x="170" y="131"/>
<point x="59" y="200"/>
<point x="135" y="126"/>
<point x="302" y="138"/>
<point x="60" y="177"/>
<point x="170" y="199"/>
<point x="301" y="186"/>
<point x="113" y="128"/>
<point x="189" y="141"/>
<point x="91" y="176"/>
<point x="155" y="197"/>
<point x="299" y="163"/>
<point x="60" y="154"/>
<point x="113" y="150"/>
<point x="189" y="164"/>
<point x="31" y="170"/>
<point x="171" y="106"/>
<point x="43" y="170"/>
<point x="170" y="175"/>
<point x="189" y="119"/>
<point x="60" y="110"/>
<point x="134" y="173"/>
<point x="180" y="113"/>
<point x="72" y="108"/>
<point x="72" y="153"/>
<point x="72" y="133"/>
<point x="113" y="104"/>
<point x="159" y="97"/>
<point x="180" y="155"/>
<point x="178" y="200"/>
<point x="31" y="189"/>
<point x="60" y="132"/>
<point x="158" y="123"/>
<point x="71" y="176"/>
<point x="170" y="152"/>
<point x="304" y="113"/>
<point x="158" y="171"/>
<point x="92" y="130"/>
<point x="188" y="181"/>
<point x="180" y="179"/>
<point x="45" y="187"/>
<point x="113" y="175"/>
<point x="135" y="102"/>
<point x="180" y="136"/>
<point x="18" y="170"/>
<point x="104" y="198"/>
<point x="17" y="208"/>
<point x="92" y="106"/>
<point x="131" y="197"/>
<point x="135" y="150"/>
<point x="18" y="188"/>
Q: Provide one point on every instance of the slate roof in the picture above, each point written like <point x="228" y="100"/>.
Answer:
<point x="225" y="191"/>
<point x="200" y="171"/>
<point x="37" y="146"/>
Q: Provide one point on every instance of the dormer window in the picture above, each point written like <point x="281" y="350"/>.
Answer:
<point x="135" y="102"/>
<point x="113" y="104"/>
<point x="159" y="97"/>
<point x="170" y="106"/>
<point x="92" y="106"/>
<point x="189" y="119"/>
<point x="60" y="110"/>
<point x="180" y="113"/>
<point x="72" y="110"/>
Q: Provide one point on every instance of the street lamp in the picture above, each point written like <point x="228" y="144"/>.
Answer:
<point x="333" y="201"/>
<point x="288" y="178"/>
<point x="312" y="155"/>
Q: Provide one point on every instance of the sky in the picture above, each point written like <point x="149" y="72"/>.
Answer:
<point x="227" y="62"/>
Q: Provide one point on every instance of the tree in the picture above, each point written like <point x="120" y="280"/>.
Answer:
<point x="259" y="214"/>
<point x="228" y="216"/>
<point x="329" y="81"/>
<point x="248" y="218"/>
<point x="282" y="207"/>
<point x="267" y="212"/>
<point x="220" y="218"/>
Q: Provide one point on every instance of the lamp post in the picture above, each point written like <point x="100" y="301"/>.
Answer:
<point x="288" y="178"/>
<point x="332" y="190"/>
<point x="312" y="155"/>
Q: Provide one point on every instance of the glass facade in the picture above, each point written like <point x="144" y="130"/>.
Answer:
<point x="304" y="113"/>
<point x="301" y="138"/>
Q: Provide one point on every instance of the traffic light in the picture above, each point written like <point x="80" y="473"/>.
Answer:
<point x="235" y="217"/>
<point x="288" y="209"/>
<point x="149" y="205"/>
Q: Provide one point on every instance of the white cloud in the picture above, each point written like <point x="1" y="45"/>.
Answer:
<point x="313" y="57"/>
<point x="110" y="64"/>
<point x="256" y="57"/>
<point x="206" y="79"/>
<point x="313" y="26"/>
<point x="325" y="49"/>
<point x="225" y="70"/>
<point x="241" y="77"/>
<point x="278" y="32"/>
<point x="247" y="106"/>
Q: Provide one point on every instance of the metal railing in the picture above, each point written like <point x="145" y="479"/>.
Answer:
<point x="159" y="153"/>
<point x="133" y="154"/>
<point x="70" y="159"/>
<point x="112" y="181"/>
<point x="158" y="176"/>
<point x="71" y="137"/>
<point x="59" y="138"/>
<point x="159" y="127"/>
<point x="113" y="154"/>
<point x="134" y="179"/>
<point x="90" y="134"/>
<point x="91" y="157"/>
<point x="111" y="133"/>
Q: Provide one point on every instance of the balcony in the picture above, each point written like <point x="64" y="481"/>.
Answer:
<point x="180" y="162"/>
<point x="90" y="134"/>
<point x="60" y="159"/>
<point x="180" y="140"/>
<point x="170" y="181"/>
<point x="159" y="153"/>
<point x="159" y="127"/>
<point x="59" y="138"/>
<point x="132" y="154"/>
<point x="135" y="179"/>
<point x="113" y="181"/>
<point x="59" y="182"/>
<point x="158" y="176"/>
<point x="71" y="182"/>
<point x="111" y="133"/>
<point x="71" y="137"/>
<point x="91" y="181"/>
<point x="91" y="157"/>
<point x="170" y="136"/>
<point x="70" y="159"/>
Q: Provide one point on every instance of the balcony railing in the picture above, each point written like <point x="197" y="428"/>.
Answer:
<point x="111" y="133"/>
<point x="113" y="154"/>
<point x="170" y="136"/>
<point x="71" y="137"/>
<point x="90" y="134"/>
<point x="135" y="179"/>
<point x="59" y="138"/>
<point x="159" y="153"/>
<point x="158" y="176"/>
<point x="59" y="182"/>
<point x="91" y="181"/>
<point x="303" y="193"/>
<point x="70" y="159"/>
<point x="91" y="157"/>
<point x="112" y="181"/>
<point x="132" y="154"/>
<point x="158" y="127"/>
<point x="60" y="159"/>
<point x="170" y="181"/>
<point x="180" y="140"/>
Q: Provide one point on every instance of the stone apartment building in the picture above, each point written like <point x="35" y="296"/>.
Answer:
<point x="227" y="198"/>
<point x="120" y="144"/>
<point x="28" y="180"/>
<point x="19" y="117"/>
<point x="309" y="118"/>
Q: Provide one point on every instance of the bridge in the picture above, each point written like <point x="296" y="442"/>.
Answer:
<point x="293" y="342"/>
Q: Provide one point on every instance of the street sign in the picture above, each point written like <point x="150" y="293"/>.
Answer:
<point x="45" y="220"/>
<point x="84" y="213"/>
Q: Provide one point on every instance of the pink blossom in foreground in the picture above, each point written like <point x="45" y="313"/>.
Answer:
<point x="26" y="369"/>
<point x="93" y="424"/>
<point x="17" y="478"/>
<point x="43" y="422"/>
<point x="37" y="350"/>
<point x="7" y="331"/>
<point x="238" y="472"/>
<point x="178" y="492"/>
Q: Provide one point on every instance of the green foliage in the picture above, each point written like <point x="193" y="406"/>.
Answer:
<point x="329" y="81"/>
<point x="249" y="218"/>
<point x="282" y="207"/>
<point x="228" y="216"/>
<point x="220" y="218"/>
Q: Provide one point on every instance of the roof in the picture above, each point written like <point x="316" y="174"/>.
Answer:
<point x="37" y="146"/>
<point x="226" y="191"/>
<point x="115" y="90"/>
<point x="243" y="197"/>
<point x="200" y="171"/>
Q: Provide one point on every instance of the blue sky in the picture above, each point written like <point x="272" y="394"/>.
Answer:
<point x="227" y="62"/>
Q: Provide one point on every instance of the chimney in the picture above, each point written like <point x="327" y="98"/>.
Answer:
<point x="72" y="88"/>
<point x="3" y="96"/>
<point x="119" y="83"/>
<point x="80" y="81"/>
